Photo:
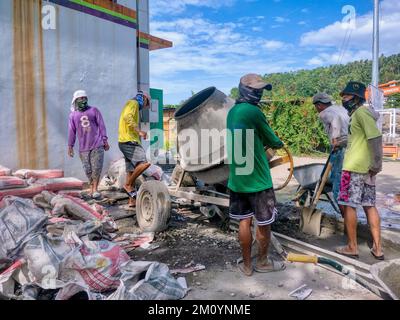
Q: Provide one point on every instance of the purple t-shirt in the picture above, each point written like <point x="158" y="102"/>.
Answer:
<point x="89" y="126"/>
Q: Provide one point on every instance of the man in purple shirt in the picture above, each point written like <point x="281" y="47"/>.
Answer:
<point x="88" y="123"/>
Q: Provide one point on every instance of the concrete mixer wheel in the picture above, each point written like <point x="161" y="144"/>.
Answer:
<point x="153" y="206"/>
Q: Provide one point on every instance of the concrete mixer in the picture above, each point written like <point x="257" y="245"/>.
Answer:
<point x="202" y="172"/>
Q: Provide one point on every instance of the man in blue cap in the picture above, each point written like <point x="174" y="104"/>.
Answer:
<point x="362" y="162"/>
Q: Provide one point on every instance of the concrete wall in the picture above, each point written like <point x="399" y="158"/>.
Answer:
<point x="40" y="70"/>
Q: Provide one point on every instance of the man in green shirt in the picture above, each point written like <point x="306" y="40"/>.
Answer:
<point x="250" y="183"/>
<point x="362" y="162"/>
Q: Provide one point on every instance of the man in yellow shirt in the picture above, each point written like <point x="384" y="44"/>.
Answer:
<point x="129" y="142"/>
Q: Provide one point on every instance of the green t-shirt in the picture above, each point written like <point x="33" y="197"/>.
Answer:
<point x="362" y="128"/>
<point x="248" y="134"/>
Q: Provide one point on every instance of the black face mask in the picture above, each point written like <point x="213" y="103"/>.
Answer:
<point x="249" y="95"/>
<point x="82" y="105"/>
<point x="350" y="105"/>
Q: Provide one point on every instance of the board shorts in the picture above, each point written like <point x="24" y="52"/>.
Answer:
<point x="336" y="173"/>
<point x="134" y="154"/>
<point x="261" y="205"/>
<point x="354" y="191"/>
<point x="93" y="163"/>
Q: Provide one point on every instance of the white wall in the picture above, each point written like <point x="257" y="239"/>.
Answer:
<point x="84" y="52"/>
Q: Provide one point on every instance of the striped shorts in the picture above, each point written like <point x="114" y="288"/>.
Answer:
<point x="261" y="205"/>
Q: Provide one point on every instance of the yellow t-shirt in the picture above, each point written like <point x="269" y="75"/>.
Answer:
<point x="129" y="123"/>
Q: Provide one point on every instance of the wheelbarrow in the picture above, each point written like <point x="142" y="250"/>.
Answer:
<point x="314" y="183"/>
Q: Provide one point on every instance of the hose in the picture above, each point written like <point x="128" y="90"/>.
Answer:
<point x="292" y="257"/>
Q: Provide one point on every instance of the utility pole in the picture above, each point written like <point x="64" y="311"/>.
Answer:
<point x="375" y="57"/>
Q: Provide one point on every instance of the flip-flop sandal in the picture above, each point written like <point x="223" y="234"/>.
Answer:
<point x="380" y="258"/>
<point x="346" y="254"/>
<point x="131" y="194"/>
<point x="275" y="266"/>
<point x="244" y="271"/>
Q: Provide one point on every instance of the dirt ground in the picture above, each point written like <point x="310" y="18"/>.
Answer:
<point x="191" y="240"/>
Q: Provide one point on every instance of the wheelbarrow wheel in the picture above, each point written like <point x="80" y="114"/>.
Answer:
<point x="153" y="207"/>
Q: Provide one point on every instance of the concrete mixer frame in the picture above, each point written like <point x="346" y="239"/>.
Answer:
<point x="154" y="197"/>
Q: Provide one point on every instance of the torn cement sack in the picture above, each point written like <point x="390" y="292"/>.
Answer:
<point x="94" y="229"/>
<point x="59" y="184"/>
<point x="154" y="171"/>
<point x="74" y="207"/>
<point x="7" y="283"/>
<point x="116" y="175"/>
<point x="43" y="257"/>
<point x="72" y="289"/>
<point x="20" y="221"/>
<point x="97" y="262"/>
<point x="7" y="182"/>
<point x="4" y="171"/>
<point x="147" y="281"/>
<point x="27" y="192"/>
<point x="39" y="174"/>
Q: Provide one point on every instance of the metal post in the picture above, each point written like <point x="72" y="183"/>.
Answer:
<point x="375" y="58"/>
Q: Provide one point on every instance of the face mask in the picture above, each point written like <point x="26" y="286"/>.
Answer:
<point x="82" y="105"/>
<point x="139" y="98"/>
<point x="350" y="105"/>
<point x="250" y="95"/>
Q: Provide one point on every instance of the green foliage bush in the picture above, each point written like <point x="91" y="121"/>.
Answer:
<point x="298" y="126"/>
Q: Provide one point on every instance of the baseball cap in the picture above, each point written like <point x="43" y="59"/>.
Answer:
<point x="322" y="97"/>
<point x="255" y="81"/>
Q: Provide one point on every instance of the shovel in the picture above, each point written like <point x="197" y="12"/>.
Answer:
<point x="310" y="221"/>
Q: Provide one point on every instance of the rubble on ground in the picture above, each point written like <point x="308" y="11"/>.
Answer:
<point x="58" y="244"/>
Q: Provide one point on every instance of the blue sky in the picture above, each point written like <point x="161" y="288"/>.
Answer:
<point x="216" y="42"/>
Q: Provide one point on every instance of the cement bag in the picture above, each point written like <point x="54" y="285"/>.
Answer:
<point x="115" y="176"/>
<point x="28" y="192"/>
<point x="157" y="284"/>
<point x="7" y="283"/>
<point x="7" y="182"/>
<point x="71" y="289"/>
<point x="97" y="262"/>
<point x="43" y="258"/>
<point x="39" y="174"/>
<point x="20" y="221"/>
<point x="154" y="171"/>
<point x="74" y="207"/>
<point x="4" y="171"/>
<point x="59" y="184"/>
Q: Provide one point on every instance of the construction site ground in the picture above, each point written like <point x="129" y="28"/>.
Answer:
<point x="192" y="240"/>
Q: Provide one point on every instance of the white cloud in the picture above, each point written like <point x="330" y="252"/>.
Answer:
<point x="339" y="57"/>
<point x="360" y="40"/>
<point x="274" y="45"/>
<point x="281" y="20"/>
<point x="178" y="6"/>
<point x="207" y="53"/>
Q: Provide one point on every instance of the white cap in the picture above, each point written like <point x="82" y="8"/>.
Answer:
<point x="78" y="94"/>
